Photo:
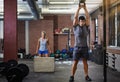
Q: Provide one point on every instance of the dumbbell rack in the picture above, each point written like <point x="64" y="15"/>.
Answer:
<point x="113" y="59"/>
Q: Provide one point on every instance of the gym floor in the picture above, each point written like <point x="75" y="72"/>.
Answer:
<point x="62" y="73"/>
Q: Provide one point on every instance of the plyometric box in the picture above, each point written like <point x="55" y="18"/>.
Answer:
<point x="44" y="64"/>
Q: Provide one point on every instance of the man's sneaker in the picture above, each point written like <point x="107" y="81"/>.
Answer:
<point x="71" y="79"/>
<point x="87" y="78"/>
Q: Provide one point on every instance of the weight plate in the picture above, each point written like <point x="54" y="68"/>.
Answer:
<point x="24" y="68"/>
<point x="3" y="68"/>
<point x="14" y="74"/>
<point x="12" y="63"/>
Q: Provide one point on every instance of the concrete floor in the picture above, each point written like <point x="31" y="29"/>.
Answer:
<point x="62" y="73"/>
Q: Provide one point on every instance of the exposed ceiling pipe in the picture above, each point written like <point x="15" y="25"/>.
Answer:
<point x="34" y="8"/>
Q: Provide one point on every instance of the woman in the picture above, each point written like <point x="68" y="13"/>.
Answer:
<point x="43" y="45"/>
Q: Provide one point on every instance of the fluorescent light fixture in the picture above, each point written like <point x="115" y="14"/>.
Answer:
<point x="25" y="17"/>
<point x="53" y="3"/>
<point x="61" y="2"/>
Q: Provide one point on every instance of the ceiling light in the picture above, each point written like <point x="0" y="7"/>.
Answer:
<point x="61" y="3"/>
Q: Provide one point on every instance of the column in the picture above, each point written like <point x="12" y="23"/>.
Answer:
<point x="27" y="36"/>
<point x="10" y="29"/>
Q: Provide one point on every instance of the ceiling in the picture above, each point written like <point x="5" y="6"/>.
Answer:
<point x="51" y="7"/>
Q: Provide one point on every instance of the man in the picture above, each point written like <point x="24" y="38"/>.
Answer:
<point x="80" y="28"/>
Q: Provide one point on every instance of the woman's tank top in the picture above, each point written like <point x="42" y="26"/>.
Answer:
<point x="43" y="44"/>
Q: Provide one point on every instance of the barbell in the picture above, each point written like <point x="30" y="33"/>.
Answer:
<point x="17" y="73"/>
<point x="4" y="66"/>
<point x="13" y="71"/>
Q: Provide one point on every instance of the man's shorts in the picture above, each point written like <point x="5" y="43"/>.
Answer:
<point x="80" y="52"/>
<point x="43" y="52"/>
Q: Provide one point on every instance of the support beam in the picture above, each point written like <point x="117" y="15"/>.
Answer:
<point x="1" y="29"/>
<point x="27" y="36"/>
<point x="104" y="41"/>
<point x="34" y="8"/>
<point x="10" y="29"/>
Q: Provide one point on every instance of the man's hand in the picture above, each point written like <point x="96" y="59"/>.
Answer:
<point x="82" y="5"/>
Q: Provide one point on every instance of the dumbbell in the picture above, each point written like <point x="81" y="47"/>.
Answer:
<point x="17" y="73"/>
<point x="4" y="66"/>
<point x="82" y="1"/>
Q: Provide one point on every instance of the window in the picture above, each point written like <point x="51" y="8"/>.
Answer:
<point x="96" y="30"/>
<point x="118" y="26"/>
<point x="114" y="26"/>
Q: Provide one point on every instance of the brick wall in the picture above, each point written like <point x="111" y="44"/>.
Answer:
<point x="100" y="30"/>
<point x="35" y="32"/>
<point x="62" y="40"/>
<point x="97" y="14"/>
<point x="21" y="34"/>
<point x="48" y="24"/>
<point x="92" y="33"/>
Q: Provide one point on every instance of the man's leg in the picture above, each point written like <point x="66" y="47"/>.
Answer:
<point x="74" y="68"/>
<point x="85" y="66"/>
<point x="86" y="69"/>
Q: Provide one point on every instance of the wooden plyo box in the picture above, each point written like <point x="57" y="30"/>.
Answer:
<point x="44" y="64"/>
